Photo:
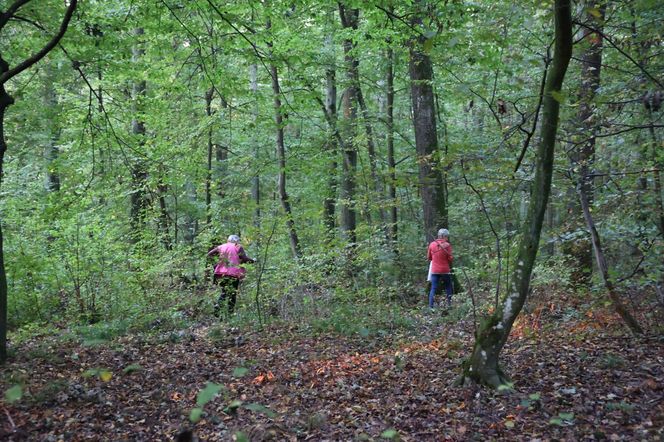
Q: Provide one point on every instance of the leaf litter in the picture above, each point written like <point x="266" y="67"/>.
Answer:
<point x="583" y="378"/>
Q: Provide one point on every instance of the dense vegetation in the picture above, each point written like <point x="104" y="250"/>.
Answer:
<point x="335" y="139"/>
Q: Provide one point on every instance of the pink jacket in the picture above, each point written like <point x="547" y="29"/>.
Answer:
<point x="440" y="255"/>
<point x="229" y="260"/>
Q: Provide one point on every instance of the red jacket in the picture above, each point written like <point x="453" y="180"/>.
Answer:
<point x="440" y="255"/>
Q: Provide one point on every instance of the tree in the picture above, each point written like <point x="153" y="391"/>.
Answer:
<point x="434" y="207"/>
<point x="349" y="20"/>
<point x="7" y="72"/>
<point x="583" y="154"/>
<point x="483" y="364"/>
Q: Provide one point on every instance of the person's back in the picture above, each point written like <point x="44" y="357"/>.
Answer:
<point x="439" y="253"/>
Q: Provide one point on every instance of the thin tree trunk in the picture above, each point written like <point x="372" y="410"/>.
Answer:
<point x="583" y="157"/>
<point x="434" y="207"/>
<point x="349" y="19"/>
<point x="256" y="180"/>
<point x="51" y="151"/>
<point x="281" y="156"/>
<point x="332" y="147"/>
<point x="5" y="101"/>
<point x="483" y="364"/>
<point x="163" y="216"/>
<point x="209" y="95"/>
<point x="373" y="160"/>
<point x="391" y="164"/>
<point x="602" y="265"/>
<point x="139" y="198"/>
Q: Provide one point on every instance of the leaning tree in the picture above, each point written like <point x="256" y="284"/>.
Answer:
<point x="483" y="365"/>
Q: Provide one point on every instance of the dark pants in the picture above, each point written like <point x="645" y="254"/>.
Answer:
<point x="229" y="288"/>
<point x="447" y="281"/>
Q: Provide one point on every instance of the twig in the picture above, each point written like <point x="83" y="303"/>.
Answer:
<point x="472" y="299"/>
<point x="260" y="273"/>
<point x="11" y="421"/>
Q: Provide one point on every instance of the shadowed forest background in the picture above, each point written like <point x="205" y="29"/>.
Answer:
<point x="335" y="139"/>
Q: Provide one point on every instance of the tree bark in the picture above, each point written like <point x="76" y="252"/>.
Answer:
<point x="51" y="151"/>
<point x="281" y="156"/>
<point x="602" y="265"/>
<point x="391" y="164"/>
<point x="256" y="180"/>
<point x="331" y="145"/>
<point x="583" y="156"/>
<point x="349" y="19"/>
<point x="139" y="174"/>
<point x="209" y="95"/>
<point x="434" y="206"/>
<point x="483" y="365"/>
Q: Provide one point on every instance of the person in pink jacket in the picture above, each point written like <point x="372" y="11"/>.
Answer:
<point x="440" y="255"/>
<point x="228" y="272"/>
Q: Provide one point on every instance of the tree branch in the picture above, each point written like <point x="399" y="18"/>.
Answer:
<point x="25" y="64"/>
<point x="625" y="54"/>
<point x="9" y="13"/>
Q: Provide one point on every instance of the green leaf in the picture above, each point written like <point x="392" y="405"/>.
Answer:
<point x="233" y="406"/>
<point x="594" y="12"/>
<point x="238" y="372"/>
<point x="509" y="423"/>
<point x="555" y="421"/>
<point x="195" y="414"/>
<point x="260" y="409"/>
<point x="566" y="416"/>
<point x="132" y="368"/>
<point x="205" y="395"/>
<point x="241" y="436"/>
<point x="534" y="396"/>
<point x="428" y="45"/>
<point x="14" y="394"/>
<point x="364" y="332"/>
<point x="389" y="434"/>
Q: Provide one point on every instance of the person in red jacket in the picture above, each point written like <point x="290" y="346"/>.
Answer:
<point x="228" y="272"/>
<point x="440" y="255"/>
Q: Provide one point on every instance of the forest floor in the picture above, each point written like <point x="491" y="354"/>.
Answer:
<point x="576" y="377"/>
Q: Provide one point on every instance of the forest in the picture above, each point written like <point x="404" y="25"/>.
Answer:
<point x="217" y="220"/>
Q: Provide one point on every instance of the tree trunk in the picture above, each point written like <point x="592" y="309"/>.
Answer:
<point x="483" y="366"/>
<point x="281" y="156"/>
<point x="391" y="164"/>
<point x="256" y="180"/>
<point x="332" y="147"/>
<point x="139" y="174"/>
<point x="5" y="101"/>
<point x="379" y="191"/>
<point x="434" y="207"/>
<point x="51" y="151"/>
<point x="209" y="95"/>
<point x="583" y="156"/>
<point x="349" y="20"/>
<point x="602" y="266"/>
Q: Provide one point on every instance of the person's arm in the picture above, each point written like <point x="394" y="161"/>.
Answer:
<point x="213" y="251"/>
<point x="450" y="258"/>
<point x="243" y="256"/>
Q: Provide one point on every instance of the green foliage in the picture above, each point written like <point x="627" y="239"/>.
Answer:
<point x="13" y="394"/>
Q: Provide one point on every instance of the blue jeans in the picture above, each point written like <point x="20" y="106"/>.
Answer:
<point x="447" y="280"/>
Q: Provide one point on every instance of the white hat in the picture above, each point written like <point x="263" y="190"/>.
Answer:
<point x="234" y="238"/>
